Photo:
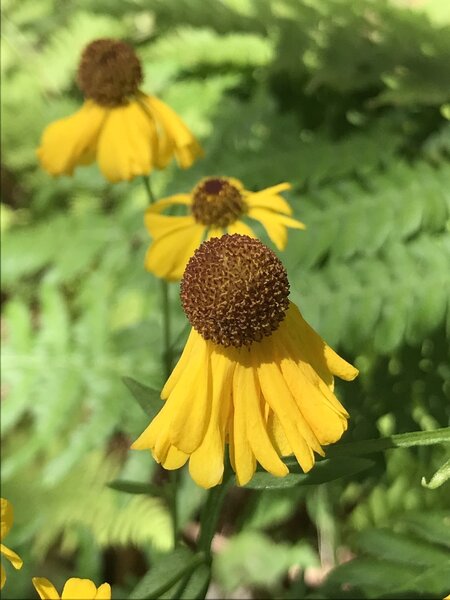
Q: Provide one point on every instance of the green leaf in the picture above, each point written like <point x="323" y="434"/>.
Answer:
<point x="135" y="487"/>
<point x="401" y="440"/>
<point x="322" y="472"/>
<point x="166" y="572"/>
<point x="401" y="548"/>
<point x="439" y="478"/>
<point x="148" y="398"/>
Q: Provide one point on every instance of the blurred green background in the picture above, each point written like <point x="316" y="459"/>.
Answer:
<point x="350" y="102"/>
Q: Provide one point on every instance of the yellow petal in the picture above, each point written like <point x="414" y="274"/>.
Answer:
<point x="160" y="225"/>
<point x="265" y="453"/>
<point x="241" y="228"/>
<point x="338" y="366"/>
<point x="79" y="589"/>
<point x="13" y="558"/>
<point x="162" y="204"/>
<point x="327" y="425"/>
<point x="45" y="589"/>
<point x="181" y="365"/>
<point x="72" y="141"/>
<point x="269" y="199"/>
<point x="103" y="592"/>
<point x="167" y="256"/>
<point x="275" y="230"/>
<point x="127" y="144"/>
<point x="190" y="401"/>
<point x="244" y="459"/>
<point x="277" y="435"/>
<point x="206" y="463"/>
<point x="185" y="146"/>
<point x="7" y="516"/>
<point x="216" y="232"/>
<point x="175" y="459"/>
<point x="277" y="395"/>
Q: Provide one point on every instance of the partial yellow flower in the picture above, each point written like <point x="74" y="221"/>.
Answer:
<point x="216" y="205"/>
<point x="7" y="517"/>
<point x="126" y="131"/>
<point x="253" y="374"/>
<point x="74" y="589"/>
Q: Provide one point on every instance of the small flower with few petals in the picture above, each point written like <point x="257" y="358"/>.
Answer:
<point x="7" y="517"/>
<point x="215" y="206"/>
<point x="74" y="589"/>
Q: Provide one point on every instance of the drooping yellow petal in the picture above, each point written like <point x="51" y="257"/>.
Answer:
<point x="72" y="141"/>
<point x="185" y="146"/>
<point x="127" y="144"/>
<point x="338" y="366"/>
<point x="241" y="228"/>
<point x="45" y="589"/>
<point x="7" y="517"/>
<point x="81" y="589"/>
<point x="181" y="365"/>
<point x="167" y="256"/>
<point x="160" y="225"/>
<point x="327" y="425"/>
<point x="164" y="203"/>
<point x="13" y="558"/>
<point x="103" y="592"/>
<point x="275" y="230"/>
<point x="276" y="434"/>
<point x="190" y="401"/>
<point x="244" y="459"/>
<point x="277" y="395"/>
<point x="206" y="463"/>
<point x="175" y="459"/>
<point x="258" y="438"/>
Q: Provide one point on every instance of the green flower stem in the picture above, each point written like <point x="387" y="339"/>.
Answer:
<point x="167" y="362"/>
<point x="211" y="511"/>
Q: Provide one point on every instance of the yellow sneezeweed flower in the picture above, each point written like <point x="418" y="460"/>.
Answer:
<point x="74" y="589"/>
<point x="253" y="373"/>
<point x="126" y="131"/>
<point x="7" y="517"/>
<point x="216" y="205"/>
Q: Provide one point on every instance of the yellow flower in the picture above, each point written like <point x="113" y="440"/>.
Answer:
<point x="216" y="205"/>
<point x="253" y="373"/>
<point x="7" y="516"/>
<point x="74" y="589"/>
<point x="126" y="131"/>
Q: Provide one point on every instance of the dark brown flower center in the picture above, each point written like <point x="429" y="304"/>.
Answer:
<point x="234" y="290"/>
<point x="109" y="72"/>
<point x="217" y="202"/>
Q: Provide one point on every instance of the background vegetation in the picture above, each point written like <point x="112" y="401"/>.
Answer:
<point x="349" y="101"/>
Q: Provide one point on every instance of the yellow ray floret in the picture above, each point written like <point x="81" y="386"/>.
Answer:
<point x="74" y="588"/>
<point x="7" y="517"/>
<point x="272" y="399"/>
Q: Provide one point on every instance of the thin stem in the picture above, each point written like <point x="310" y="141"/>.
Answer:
<point x="211" y="512"/>
<point x="167" y="362"/>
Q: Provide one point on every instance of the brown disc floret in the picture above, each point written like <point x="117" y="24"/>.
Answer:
<point x="234" y="290"/>
<point x="109" y="72"/>
<point x="216" y="202"/>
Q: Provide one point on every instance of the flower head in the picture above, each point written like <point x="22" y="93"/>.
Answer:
<point x="253" y="374"/>
<point x="216" y="205"/>
<point x="74" y="589"/>
<point x="7" y="516"/>
<point x="126" y="131"/>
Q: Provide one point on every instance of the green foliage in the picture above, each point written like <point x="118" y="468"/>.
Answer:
<point x="397" y="563"/>
<point x="349" y="102"/>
